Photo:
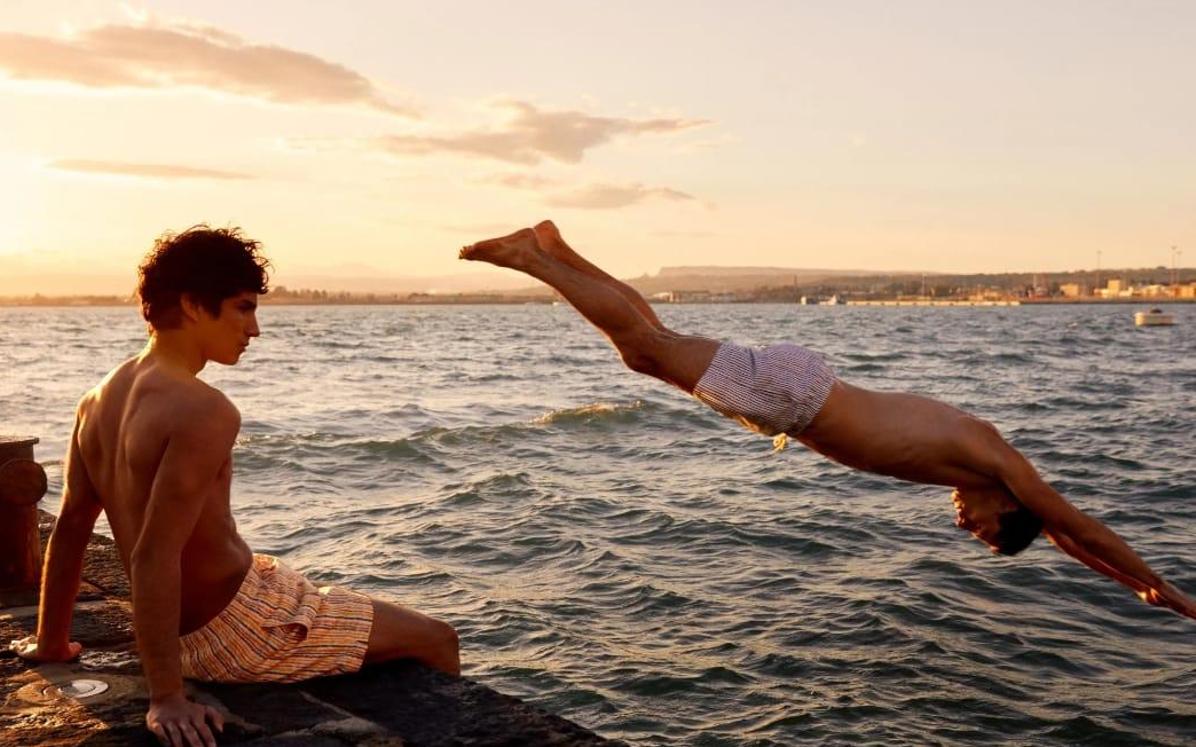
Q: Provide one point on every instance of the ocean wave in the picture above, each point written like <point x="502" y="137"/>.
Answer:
<point x="616" y="552"/>
<point x="600" y="413"/>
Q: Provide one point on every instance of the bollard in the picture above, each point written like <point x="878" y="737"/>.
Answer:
<point x="22" y="485"/>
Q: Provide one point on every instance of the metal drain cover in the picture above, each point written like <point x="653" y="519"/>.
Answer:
<point x="80" y="689"/>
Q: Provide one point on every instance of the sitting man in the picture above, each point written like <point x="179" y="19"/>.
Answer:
<point x="787" y="390"/>
<point x="152" y="449"/>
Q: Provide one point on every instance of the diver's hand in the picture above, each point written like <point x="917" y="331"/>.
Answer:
<point x="30" y="650"/>
<point x="1166" y="595"/>
<point x="178" y="722"/>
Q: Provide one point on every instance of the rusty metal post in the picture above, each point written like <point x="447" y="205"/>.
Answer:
<point x="22" y="485"/>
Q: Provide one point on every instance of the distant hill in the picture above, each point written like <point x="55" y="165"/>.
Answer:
<point x="737" y="279"/>
<point x="714" y="271"/>
<point x="724" y="279"/>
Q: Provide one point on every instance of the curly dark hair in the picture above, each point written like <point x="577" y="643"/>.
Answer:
<point x="207" y="264"/>
<point x="1016" y="530"/>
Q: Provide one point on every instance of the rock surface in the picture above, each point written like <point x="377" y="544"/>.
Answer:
<point x="400" y="703"/>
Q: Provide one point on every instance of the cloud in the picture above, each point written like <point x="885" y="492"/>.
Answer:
<point x="519" y="181"/>
<point x="145" y="170"/>
<point x="608" y="196"/>
<point x="159" y="56"/>
<point x="596" y="196"/>
<point x="529" y="135"/>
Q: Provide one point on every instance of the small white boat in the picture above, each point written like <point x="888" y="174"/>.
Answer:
<point x="1153" y="318"/>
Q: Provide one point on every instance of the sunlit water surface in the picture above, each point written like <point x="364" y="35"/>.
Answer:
<point x="614" y="552"/>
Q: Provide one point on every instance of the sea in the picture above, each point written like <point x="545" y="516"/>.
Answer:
<point x="614" y="552"/>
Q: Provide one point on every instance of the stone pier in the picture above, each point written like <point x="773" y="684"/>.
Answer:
<point x="101" y="699"/>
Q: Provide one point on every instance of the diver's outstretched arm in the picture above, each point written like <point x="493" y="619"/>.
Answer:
<point x="923" y="440"/>
<point x="1089" y="541"/>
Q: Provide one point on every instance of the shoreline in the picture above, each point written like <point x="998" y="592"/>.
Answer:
<point x="6" y="303"/>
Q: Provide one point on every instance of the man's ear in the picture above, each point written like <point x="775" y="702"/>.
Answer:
<point x="191" y="307"/>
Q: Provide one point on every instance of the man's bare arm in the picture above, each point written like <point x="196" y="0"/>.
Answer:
<point x="68" y="542"/>
<point x="64" y="560"/>
<point x="1163" y="595"/>
<point x="1092" y="543"/>
<point x="195" y="454"/>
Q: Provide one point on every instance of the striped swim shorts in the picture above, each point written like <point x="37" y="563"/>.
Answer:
<point x="772" y="390"/>
<point x="280" y="627"/>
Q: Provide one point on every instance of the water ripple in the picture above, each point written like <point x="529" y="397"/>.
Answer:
<point x="617" y="553"/>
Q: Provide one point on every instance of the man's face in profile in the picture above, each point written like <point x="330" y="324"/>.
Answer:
<point x="227" y="336"/>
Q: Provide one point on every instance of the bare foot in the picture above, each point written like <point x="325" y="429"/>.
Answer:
<point x="515" y="250"/>
<point x="553" y="245"/>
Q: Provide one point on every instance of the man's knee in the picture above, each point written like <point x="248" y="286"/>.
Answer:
<point x="402" y="633"/>
<point x="446" y="637"/>
<point x="446" y="649"/>
<point x="641" y="351"/>
<point x="640" y="362"/>
<point x="438" y="643"/>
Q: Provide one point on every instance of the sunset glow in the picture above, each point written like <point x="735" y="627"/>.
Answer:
<point x="378" y="139"/>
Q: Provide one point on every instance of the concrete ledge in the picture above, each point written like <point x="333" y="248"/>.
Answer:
<point x="401" y="703"/>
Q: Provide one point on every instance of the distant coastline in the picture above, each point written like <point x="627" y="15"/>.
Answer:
<point x="487" y="300"/>
<point x="701" y="285"/>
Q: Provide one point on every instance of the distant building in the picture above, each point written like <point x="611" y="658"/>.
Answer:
<point x="1072" y="290"/>
<point x="1187" y="291"/>
<point x="1116" y="288"/>
<point x="694" y="296"/>
<point x="1038" y="289"/>
<point x="988" y="294"/>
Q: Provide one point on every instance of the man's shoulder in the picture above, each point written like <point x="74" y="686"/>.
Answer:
<point x="151" y="402"/>
<point x="203" y="409"/>
<point x="111" y="380"/>
<point x="184" y="405"/>
<point x="125" y="369"/>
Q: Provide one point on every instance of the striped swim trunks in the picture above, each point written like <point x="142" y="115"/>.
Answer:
<point x="280" y="627"/>
<point x="772" y="390"/>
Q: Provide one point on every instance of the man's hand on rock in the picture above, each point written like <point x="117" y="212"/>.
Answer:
<point x="29" y="649"/>
<point x="177" y="722"/>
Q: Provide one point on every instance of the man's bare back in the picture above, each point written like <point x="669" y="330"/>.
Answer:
<point x="125" y="424"/>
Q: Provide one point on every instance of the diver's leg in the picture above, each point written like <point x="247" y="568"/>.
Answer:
<point x="646" y="348"/>
<point x="552" y="243"/>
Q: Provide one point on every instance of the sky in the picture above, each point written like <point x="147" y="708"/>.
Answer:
<point x="375" y="138"/>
